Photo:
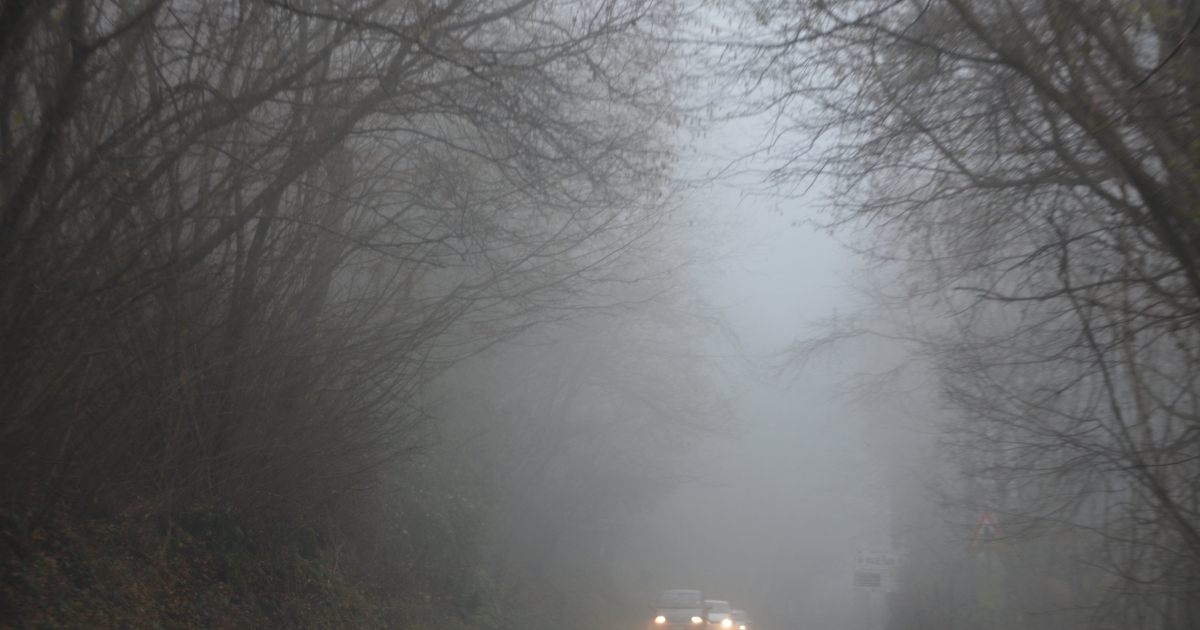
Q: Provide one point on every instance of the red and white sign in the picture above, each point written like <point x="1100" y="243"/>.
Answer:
<point x="987" y="537"/>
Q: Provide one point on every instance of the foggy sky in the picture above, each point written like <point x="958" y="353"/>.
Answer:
<point x="773" y="524"/>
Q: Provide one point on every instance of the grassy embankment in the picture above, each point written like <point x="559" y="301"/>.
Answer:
<point x="132" y="569"/>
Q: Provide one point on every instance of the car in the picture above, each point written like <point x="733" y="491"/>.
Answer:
<point x="741" y="621"/>
<point x="720" y="614"/>
<point x="680" y="609"/>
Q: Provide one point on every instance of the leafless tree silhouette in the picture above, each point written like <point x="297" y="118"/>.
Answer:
<point x="1034" y="168"/>
<point x="236" y="238"/>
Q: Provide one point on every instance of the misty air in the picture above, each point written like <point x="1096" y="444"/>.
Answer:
<point x="600" y="314"/>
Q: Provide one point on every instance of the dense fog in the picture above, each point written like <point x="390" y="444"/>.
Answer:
<point x="600" y="314"/>
<point x="779" y="508"/>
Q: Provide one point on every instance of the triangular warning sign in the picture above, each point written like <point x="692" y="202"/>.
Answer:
<point x="987" y="537"/>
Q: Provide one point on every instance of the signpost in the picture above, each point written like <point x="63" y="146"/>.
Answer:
<point x="875" y="571"/>
<point x="987" y="541"/>
<point x="987" y="537"/>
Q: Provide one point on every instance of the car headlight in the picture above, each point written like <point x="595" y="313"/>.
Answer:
<point x="662" y="619"/>
<point x="696" y="620"/>
<point x="726" y="623"/>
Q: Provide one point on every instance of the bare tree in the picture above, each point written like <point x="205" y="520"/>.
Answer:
<point x="1033" y="167"/>
<point x="237" y="238"/>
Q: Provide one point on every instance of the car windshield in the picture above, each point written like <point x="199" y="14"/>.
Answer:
<point x="718" y="606"/>
<point x="680" y="599"/>
<point x="740" y="615"/>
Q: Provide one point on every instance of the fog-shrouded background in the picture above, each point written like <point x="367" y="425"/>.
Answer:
<point x="510" y="314"/>
<point x="780" y="507"/>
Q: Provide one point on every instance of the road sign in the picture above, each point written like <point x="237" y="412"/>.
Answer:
<point x="875" y="571"/>
<point x="987" y="537"/>
<point x="868" y="579"/>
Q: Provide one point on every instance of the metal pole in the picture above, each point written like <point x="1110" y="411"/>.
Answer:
<point x="863" y="609"/>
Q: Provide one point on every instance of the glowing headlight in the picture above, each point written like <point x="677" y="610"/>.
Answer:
<point x="696" y="620"/>
<point x="741" y="627"/>
<point x="661" y="619"/>
<point x="726" y="623"/>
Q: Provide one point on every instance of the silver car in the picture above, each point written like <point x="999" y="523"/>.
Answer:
<point x="720" y="614"/>
<point x="680" y="610"/>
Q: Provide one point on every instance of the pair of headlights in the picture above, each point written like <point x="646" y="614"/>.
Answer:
<point x="725" y="623"/>
<point x="662" y="619"/>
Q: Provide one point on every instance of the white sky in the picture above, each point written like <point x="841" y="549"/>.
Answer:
<point x="788" y="502"/>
